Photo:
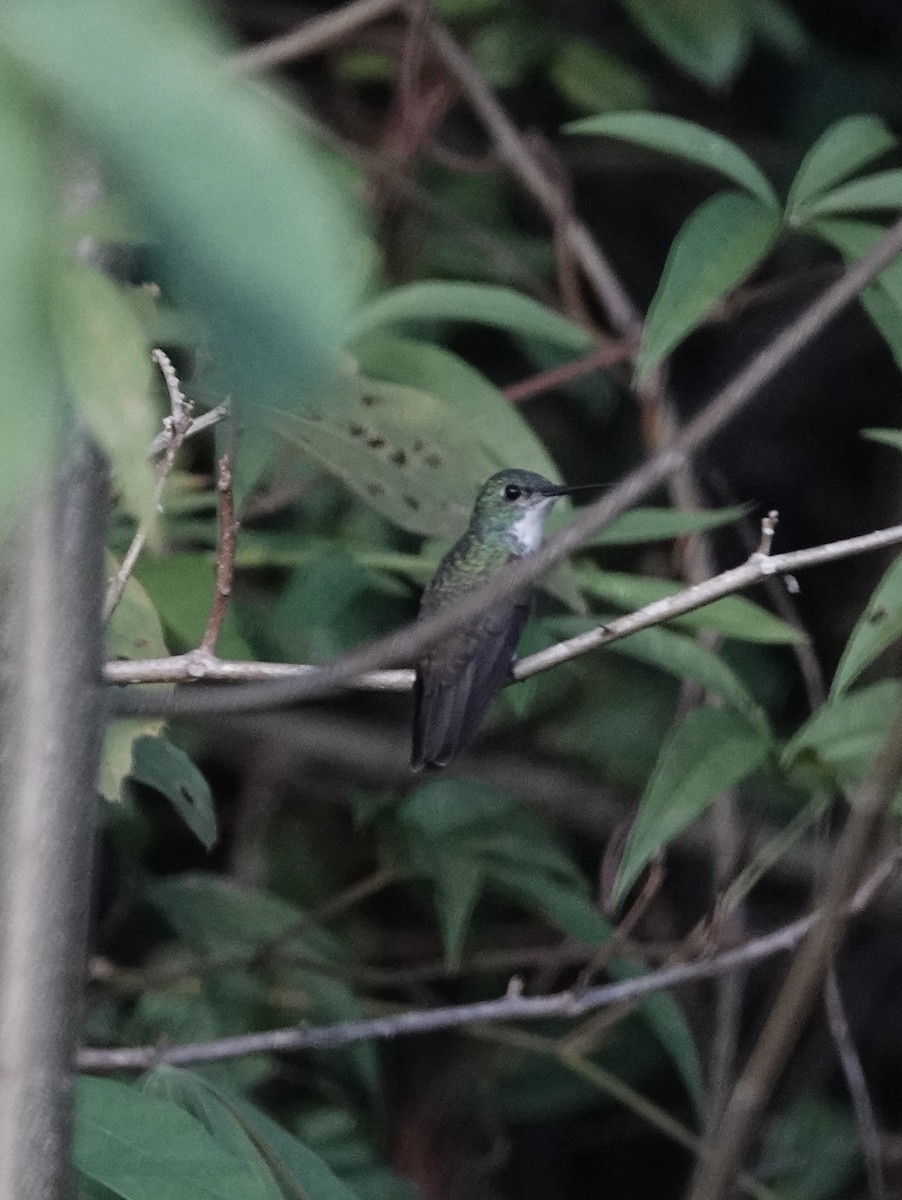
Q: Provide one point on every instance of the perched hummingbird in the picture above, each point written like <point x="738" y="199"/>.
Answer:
<point x="458" y="677"/>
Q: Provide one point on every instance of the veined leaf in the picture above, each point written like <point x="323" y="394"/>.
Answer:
<point x="213" y="918"/>
<point x="661" y="524"/>
<point x="301" y="1171"/>
<point x="686" y="140"/>
<point x="842" y="150"/>
<point x="889" y="437"/>
<point x="776" y="25"/>
<point x="719" y="246"/>
<point x="482" y="303"/>
<point x="733" y="616"/>
<point x="201" y="1101"/>
<point x="134" y="631"/>
<point x="835" y="747"/>
<point x="403" y="451"/>
<point x="166" y="768"/>
<point x="879" y="191"/>
<point x="581" y="919"/>
<point x="683" y="656"/>
<point x="476" y="402"/>
<point x="883" y="299"/>
<point x="595" y="81"/>
<point x="708" y="753"/>
<point x="250" y="227"/>
<point x="143" y="1148"/>
<point x="707" y="38"/>
<point x="876" y="629"/>
<point x="106" y="360"/>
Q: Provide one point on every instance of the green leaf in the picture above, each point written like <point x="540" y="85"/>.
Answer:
<point x="880" y="191"/>
<point x="459" y="883"/>
<point x="506" y="49"/>
<point x="106" y="361"/>
<point x="214" y="918"/>
<point x="89" y="1189"/>
<point x="835" y="748"/>
<point x="684" y="657"/>
<point x="133" y="632"/>
<point x="876" y="629"/>
<point x="250" y="228"/>
<point x="889" y="437"/>
<point x="733" y="616"/>
<point x="181" y="586"/>
<point x="777" y="25"/>
<point x="811" y="1150"/>
<point x="143" y="1148"/>
<point x="201" y="1100"/>
<point x="842" y="150"/>
<point x="661" y="524"/>
<point x="707" y="38"/>
<point x="718" y="247"/>
<point x="575" y="914"/>
<point x="475" y="401"/>
<point x="464" y="836"/>
<point x="685" y="140"/>
<point x="883" y="299"/>
<point x="302" y="1172"/>
<point x="709" y="752"/>
<point x="166" y="768"/>
<point x="479" y="303"/>
<point x="595" y="81"/>
<point x="403" y="451"/>
<point x="30" y="409"/>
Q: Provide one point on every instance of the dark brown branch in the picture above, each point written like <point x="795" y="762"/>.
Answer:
<point x="598" y="360"/>
<point x="225" y="559"/>
<point x="514" y="151"/>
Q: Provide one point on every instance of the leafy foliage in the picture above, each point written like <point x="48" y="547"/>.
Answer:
<point x="368" y="369"/>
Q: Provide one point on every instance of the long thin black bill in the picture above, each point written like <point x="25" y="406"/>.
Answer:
<point x="575" y="487"/>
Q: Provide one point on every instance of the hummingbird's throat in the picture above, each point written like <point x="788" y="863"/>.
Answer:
<point x="527" y="530"/>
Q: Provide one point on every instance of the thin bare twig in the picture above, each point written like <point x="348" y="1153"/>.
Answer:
<point x="163" y="439"/>
<point x="182" y="668"/>
<point x="157" y="978"/>
<point x="313" y="36"/>
<point x="512" y="1006"/>
<point x="175" y="428"/>
<point x="225" y="559"/>
<point x="515" y="152"/>
<point x="605" y="356"/>
<point x="409" y="642"/>
<point x="850" y="1062"/>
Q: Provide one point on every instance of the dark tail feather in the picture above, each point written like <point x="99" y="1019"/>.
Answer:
<point x="446" y="716"/>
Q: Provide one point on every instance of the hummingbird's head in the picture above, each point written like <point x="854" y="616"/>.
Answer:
<point x="514" y="504"/>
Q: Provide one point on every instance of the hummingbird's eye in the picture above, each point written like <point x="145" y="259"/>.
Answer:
<point x="512" y="492"/>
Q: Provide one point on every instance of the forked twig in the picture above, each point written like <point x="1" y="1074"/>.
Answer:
<point x="175" y="429"/>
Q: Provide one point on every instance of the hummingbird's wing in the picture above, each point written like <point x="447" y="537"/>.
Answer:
<point x="455" y="684"/>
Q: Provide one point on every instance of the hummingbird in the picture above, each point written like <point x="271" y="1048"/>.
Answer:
<point x="457" y="678"/>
